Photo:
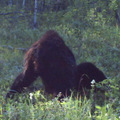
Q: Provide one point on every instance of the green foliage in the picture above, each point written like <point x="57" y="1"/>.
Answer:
<point x="91" y="31"/>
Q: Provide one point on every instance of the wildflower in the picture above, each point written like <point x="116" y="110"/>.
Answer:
<point x="31" y="95"/>
<point x="93" y="81"/>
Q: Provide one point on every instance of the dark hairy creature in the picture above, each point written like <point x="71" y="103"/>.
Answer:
<point x="50" y="59"/>
<point x="86" y="72"/>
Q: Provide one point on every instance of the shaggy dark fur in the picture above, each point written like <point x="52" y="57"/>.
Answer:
<point x="50" y="59"/>
<point x="86" y="72"/>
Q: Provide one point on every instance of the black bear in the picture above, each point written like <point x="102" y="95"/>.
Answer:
<point x="86" y="72"/>
<point x="54" y="62"/>
<point x="50" y="59"/>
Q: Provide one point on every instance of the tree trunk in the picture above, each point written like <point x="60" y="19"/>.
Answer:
<point x="118" y="16"/>
<point x="23" y="4"/>
<point x="10" y="2"/>
<point x="35" y="16"/>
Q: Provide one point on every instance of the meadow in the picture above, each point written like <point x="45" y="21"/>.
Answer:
<point x="91" y="35"/>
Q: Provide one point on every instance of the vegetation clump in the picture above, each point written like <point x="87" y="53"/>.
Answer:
<point x="90" y="28"/>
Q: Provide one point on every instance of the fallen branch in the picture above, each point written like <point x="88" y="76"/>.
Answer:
<point x="12" y="48"/>
<point x="11" y="13"/>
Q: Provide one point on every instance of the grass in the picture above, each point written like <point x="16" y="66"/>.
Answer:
<point x="93" y="49"/>
<point x="98" y="44"/>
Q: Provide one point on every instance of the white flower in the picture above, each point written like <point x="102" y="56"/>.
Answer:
<point x="93" y="81"/>
<point x="31" y="95"/>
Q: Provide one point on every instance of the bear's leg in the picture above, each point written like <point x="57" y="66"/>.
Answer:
<point x="24" y="79"/>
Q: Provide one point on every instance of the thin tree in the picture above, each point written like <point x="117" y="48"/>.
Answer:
<point x="10" y="2"/>
<point x="35" y="16"/>
<point x="23" y="4"/>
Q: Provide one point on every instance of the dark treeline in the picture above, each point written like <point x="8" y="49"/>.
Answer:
<point x="30" y="9"/>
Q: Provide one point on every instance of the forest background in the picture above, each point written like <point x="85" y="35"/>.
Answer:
<point x="91" y="29"/>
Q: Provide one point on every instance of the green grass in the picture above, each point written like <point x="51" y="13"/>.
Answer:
<point x="93" y="46"/>
<point x="94" y="39"/>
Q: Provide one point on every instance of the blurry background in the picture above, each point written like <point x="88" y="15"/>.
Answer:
<point x="91" y="29"/>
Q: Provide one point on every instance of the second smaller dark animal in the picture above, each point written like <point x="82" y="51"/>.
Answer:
<point x="86" y="72"/>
